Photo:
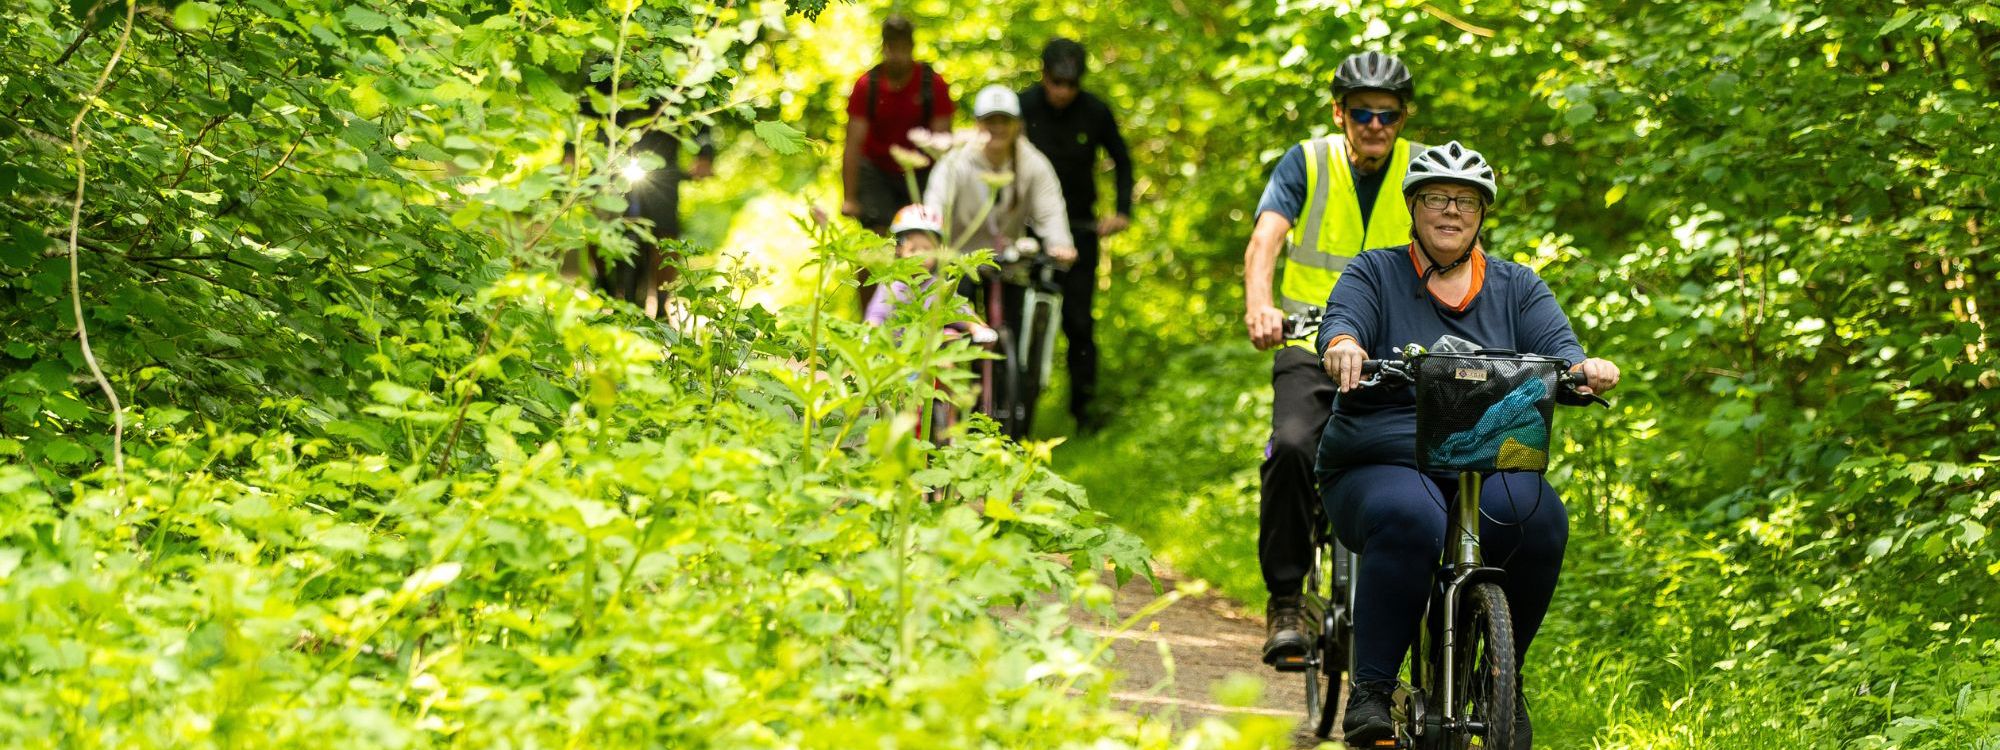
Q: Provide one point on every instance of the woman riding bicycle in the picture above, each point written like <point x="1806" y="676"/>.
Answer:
<point x="1379" y="504"/>
<point x="1007" y="172"/>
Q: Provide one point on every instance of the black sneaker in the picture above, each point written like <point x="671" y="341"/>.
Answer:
<point x="1285" y="621"/>
<point x="1368" y="714"/>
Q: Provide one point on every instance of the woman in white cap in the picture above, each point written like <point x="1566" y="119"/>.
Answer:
<point x="1007" y="171"/>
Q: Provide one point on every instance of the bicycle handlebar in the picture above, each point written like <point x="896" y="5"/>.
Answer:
<point x="1303" y="325"/>
<point x="1376" y="372"/>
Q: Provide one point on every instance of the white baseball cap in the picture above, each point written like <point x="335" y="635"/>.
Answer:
<point x="996" y="100"/>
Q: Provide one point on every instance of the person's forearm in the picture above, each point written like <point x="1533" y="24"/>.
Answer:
<point x="1260" y="263"/>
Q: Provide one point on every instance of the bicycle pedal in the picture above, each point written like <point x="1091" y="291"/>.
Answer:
<point x="1292" y="664"/>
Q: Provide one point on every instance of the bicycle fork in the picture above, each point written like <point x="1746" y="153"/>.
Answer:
<point x="1467" y="568"/>
<point x="1031" y="299"/>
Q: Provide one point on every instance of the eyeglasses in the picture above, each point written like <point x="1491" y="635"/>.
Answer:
<point x="1363" y="116"/>
<point x="1437" y="201"/>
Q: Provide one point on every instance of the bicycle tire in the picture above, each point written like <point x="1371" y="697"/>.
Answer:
<point x="1042" y="321"/>
<point x="1006" y="381"/>
<point x="1317" y="588"/>
<point x="1487" y="673"/>
<point x="1336" y="633"/>
<point x="1318" y="703"/>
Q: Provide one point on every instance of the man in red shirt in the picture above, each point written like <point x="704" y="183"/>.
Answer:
<point x="891" y="99"/>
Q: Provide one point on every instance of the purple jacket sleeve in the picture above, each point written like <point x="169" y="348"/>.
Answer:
<point x="879" y="306"/>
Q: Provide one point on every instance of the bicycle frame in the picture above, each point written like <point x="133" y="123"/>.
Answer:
<point x="1027" y="352"/>
<point x="1463" y="566"/>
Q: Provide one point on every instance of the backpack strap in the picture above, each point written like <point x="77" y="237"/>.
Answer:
<point x="874" y="91"/>
<point x="925" y="78"/>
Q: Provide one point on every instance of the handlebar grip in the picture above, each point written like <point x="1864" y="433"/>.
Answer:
<point x="1369" y="367"/>
<point x="1570" y="380"/>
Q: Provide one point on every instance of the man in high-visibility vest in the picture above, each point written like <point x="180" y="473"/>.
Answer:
<point x="1320" y="208"/>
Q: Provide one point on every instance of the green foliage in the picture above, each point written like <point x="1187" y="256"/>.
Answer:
<point x="1773" y="215"/>
<point x="392" y="483"/>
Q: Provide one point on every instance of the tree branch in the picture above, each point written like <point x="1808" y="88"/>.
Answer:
<point x="75" y="222"/>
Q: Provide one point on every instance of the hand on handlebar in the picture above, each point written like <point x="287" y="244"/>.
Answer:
<point x="1063" y="254"/>
<point x="979" y="333"/>
<point x="1600" y="376"/>
<point x="1343" y="363"/>
<point x="1266" y="326"/>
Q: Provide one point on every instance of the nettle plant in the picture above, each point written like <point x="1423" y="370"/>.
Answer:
<point x="388" y="482"/>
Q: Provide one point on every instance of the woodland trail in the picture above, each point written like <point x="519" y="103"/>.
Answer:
<point x="1207" y="638"/>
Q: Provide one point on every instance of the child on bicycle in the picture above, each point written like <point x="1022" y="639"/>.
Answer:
<point x="919" y="232"/>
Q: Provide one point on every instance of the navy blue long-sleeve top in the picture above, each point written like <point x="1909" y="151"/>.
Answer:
<point x="1382" y="303"/>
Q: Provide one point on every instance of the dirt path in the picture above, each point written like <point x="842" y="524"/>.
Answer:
<point x="1208" y="639"/>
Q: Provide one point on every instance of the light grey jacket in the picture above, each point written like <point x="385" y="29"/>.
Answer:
<point x="958" y="190"/>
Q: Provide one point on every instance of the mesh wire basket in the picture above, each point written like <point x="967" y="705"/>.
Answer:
<point x="1484" y="412"/>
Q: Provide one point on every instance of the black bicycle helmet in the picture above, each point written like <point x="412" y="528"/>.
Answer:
<point x="1373" y="71"/>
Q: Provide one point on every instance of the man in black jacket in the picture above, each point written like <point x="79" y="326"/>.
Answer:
<point x="1069" y="125"/>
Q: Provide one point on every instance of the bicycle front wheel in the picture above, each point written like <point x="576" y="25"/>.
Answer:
<point x="1487" y="675"/>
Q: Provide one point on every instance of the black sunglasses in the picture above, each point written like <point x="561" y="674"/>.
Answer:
<point x="1363" y="116"/>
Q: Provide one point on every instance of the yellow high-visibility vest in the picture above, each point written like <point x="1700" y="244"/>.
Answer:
<point x="1329" y="232"/>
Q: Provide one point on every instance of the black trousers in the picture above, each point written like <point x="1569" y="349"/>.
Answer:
<point x="1301" y="403"/>
<point x="1079" y="325"/>
<point x="883" y="193"/>
<point x="657" y="198"/>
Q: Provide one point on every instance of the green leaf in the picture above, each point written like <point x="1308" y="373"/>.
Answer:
<point x="1615" y="194"/>
<point x="67" y="408"/>
<point x="1582" y="113"/>
<point x="369" y="434"/>
<point x="65" y="451"/>
<point x="1901" y="19"/>
<point x="393" y="394"/>
<point x="1880" y="547"/>
<point x="1970" y="532"/>
<point x="781" y="137"/>
<point x="194" y="16"/>
<point x="362" y="18"/>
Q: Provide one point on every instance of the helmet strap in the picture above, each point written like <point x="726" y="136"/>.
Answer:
<point x="1437" y="268"/>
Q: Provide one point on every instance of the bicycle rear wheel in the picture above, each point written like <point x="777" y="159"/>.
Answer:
<point x="1487" y="676"/>
<point x="1336" y="626"/>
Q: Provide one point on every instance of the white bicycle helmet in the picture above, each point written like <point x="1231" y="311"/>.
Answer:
<point x="917" y="217"/>
<point x="1451" y="162"/>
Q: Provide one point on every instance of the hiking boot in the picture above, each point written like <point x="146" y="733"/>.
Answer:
<point x="1285" y="621"/>
<point x="1368" y="714"/>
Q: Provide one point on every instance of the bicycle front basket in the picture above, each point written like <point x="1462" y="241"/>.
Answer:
<point x="1484" y="412"/>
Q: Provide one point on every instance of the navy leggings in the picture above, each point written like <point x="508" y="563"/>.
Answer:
<point x="1394" y="516"/>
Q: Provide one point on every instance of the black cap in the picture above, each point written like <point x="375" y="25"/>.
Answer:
<point x="1063" y="60"/>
